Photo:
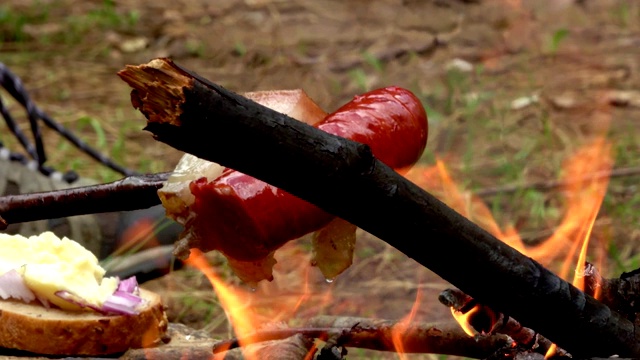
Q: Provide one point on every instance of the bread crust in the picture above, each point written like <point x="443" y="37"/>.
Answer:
<point x="34" y="328"/>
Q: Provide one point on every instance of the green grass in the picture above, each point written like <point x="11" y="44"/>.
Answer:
<point x="467" y="99"/>
<point x="360" y="78"/>
<point x="24" y="39"/>
<point x="623" y="14"/>
<point x="13" y="22"/>
<point x="557" y="38"/>
<point x="71" y="30"/>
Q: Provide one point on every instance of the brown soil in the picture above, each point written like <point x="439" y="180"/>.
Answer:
<point x="336" y="49"/>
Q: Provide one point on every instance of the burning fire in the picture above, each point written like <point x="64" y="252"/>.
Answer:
<point x="262" y="308"/>
<point x="569" y="241"/>
<point x="401" y="328"/>
<point x="463" y="319"/>
<point x="245" y="308"/>
<point x="233" y="302"/>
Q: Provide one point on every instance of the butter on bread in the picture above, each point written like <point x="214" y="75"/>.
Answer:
<point x="49" y="264"/>
<point x="54" y="326"/>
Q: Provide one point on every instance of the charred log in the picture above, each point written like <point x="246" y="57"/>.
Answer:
<point x="485" y="320"/>
<point x="343" y="177"/>
<point x="435" y="338"/>
<point x="620" y="294"/>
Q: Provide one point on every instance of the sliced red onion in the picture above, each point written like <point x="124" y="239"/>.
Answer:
<point x="122" y="302"/>
<point x="43" y="300"/>
<point x="12" y="286"/>
<point x="129" y="285"/>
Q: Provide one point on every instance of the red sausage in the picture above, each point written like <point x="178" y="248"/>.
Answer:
<point x="246" y="218"/>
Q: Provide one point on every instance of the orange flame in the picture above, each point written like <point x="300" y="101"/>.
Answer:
<point x="463" y="319"/>
<point x="234" y="303"/>
<point x="569" y="240"/>
<point x="583" y="201"/>
<point x="270" y="303"/>
<point x="551" y="351"/>
<point x="401" y="328"/>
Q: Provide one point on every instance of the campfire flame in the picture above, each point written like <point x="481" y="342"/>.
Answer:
<point x="568" y="243"/>
<point x="401" y="328"/>
<point x="233" y="302"/>
<point x="571" y="238"/>
<point x="463" y="319"/>
<point x="270" y="305"/>
<point x="551" y="352"/>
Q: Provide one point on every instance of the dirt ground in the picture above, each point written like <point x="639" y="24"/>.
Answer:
<point x="494" y="74"/>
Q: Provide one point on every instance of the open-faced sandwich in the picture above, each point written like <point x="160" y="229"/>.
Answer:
<point x="55" y="300"/>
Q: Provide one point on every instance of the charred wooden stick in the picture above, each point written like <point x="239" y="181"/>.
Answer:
<point x="273" y="334"/>
<point x="344" y="178"/>
<point x="296" y="347"/>
<point x="130" y="193"/>
<point x="488" y="321"/>
<point x="621" y="294"/>
<point x="435" y="338"/>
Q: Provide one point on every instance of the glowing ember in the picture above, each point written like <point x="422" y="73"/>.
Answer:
<point x="551" y="352"/>
<point x="463" y="319"/>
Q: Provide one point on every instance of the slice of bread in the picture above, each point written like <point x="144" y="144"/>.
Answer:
<point x="36" y="329"/>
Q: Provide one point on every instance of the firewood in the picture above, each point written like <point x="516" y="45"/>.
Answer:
<point x="485" y="320"/>
<point x="434" y="338"/>
<point x="343" y="178"/>
<point x="620" y="294"/>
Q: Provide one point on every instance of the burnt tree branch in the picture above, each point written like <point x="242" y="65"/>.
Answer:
<point x="131" y="193"/>
<point x="434" y="338"/>
<point x="417" y="337"/>
<point x="487" y="321"/>
<point x="343" y="177"/>
<point x="620" y="294"/>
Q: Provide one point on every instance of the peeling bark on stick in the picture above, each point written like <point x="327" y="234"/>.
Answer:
<point x="342" y="177"/>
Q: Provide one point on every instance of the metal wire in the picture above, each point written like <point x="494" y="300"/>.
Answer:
<point x="14" y="86"/>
